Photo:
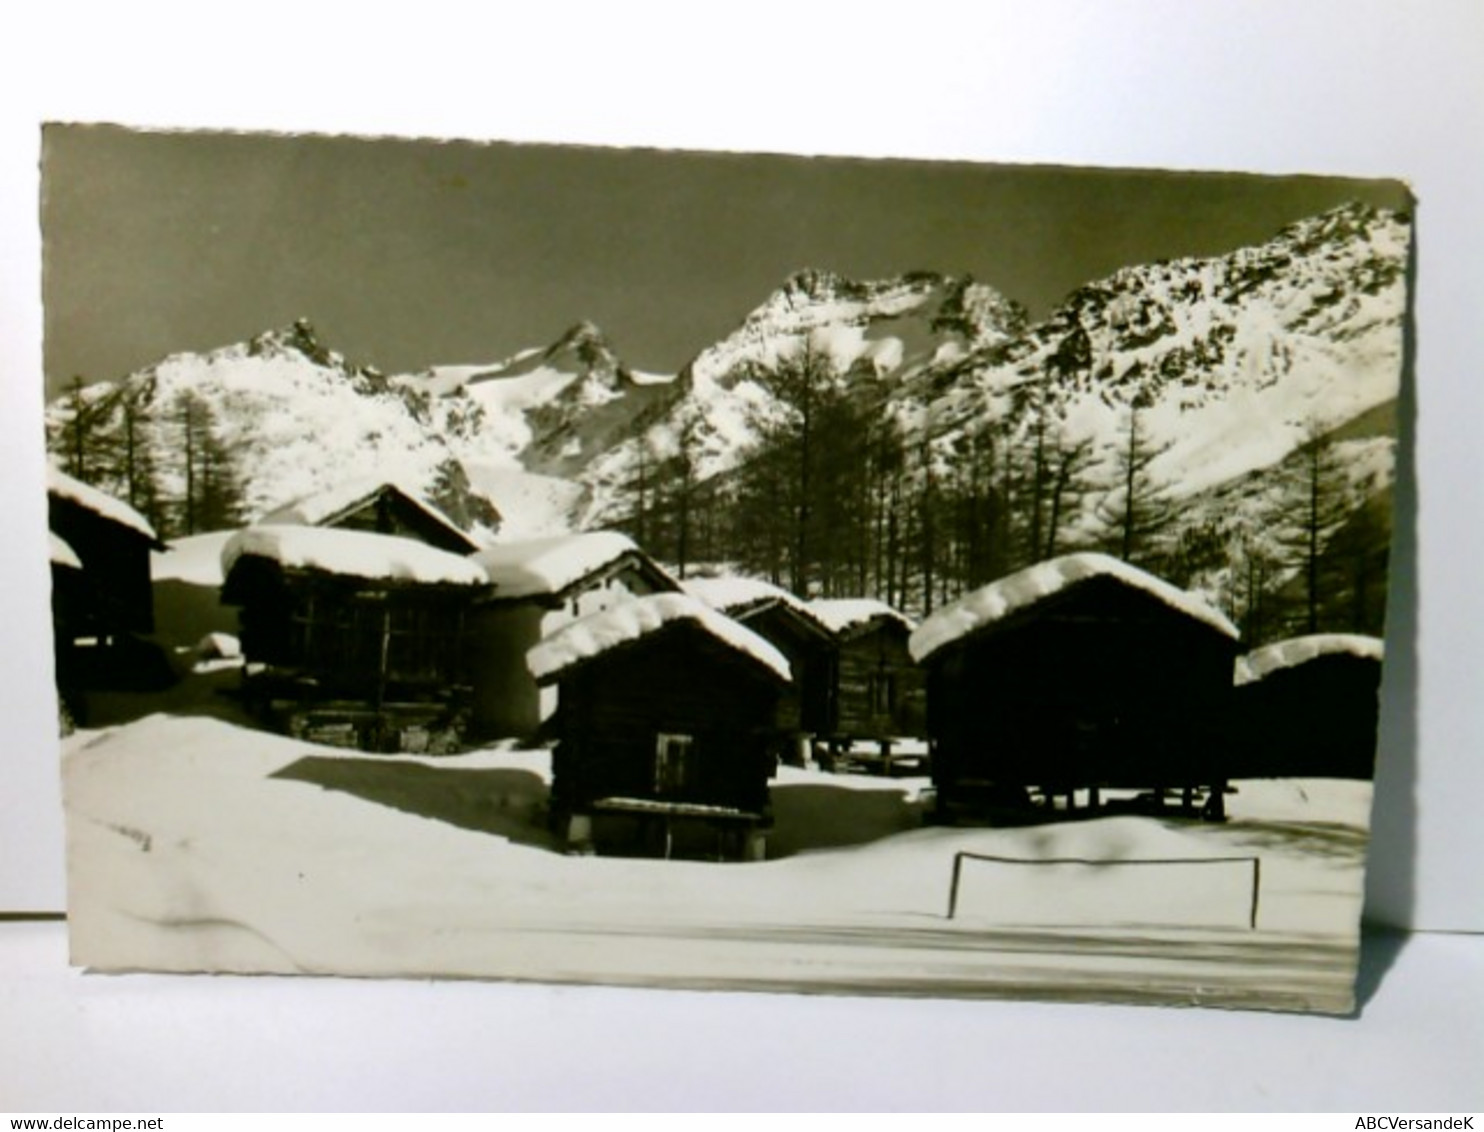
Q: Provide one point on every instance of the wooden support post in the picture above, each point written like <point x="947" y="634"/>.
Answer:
<point x="1256" y="890"/>
<point x="580" y="833"/>
<point x="386" y="642"/>
<point x="1216" y="805"/>
<point x="958" y="864"/>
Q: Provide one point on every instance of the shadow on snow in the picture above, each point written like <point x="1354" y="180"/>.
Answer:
<point x="508" y="803"/>
<point x="512" y="803"/>
<point x="808" y="816"/>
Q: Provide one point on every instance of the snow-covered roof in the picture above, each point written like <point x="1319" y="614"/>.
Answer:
<point x="322" y="508"/>
<point x="59" y="483"/>
<point x="737" y="597"/>
<point x="545" y="566"/>
<point x="843" y="614"/>
<point x="1300" y="650"/>
<point x="62" y="554"/>
<point x="628" y="621"/>
<point x="1009" y="595"/>
<point x="356" y="554"/>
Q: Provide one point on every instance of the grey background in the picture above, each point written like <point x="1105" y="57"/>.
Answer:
<point x="405" y="254"/>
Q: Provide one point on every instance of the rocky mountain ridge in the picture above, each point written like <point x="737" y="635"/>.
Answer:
<point x="1230" y="363"/>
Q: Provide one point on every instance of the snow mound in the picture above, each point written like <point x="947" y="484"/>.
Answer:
<point x="62" y="554"/>
<point x="1300" y="650"/>
<point x="218" y="646"/>
<point x="543" y="566"/>
<point x="358" y="554"/>
<point x="322" y="508"/>
<point x="1021" y="590"/>
<point x="203" y="844"/>
<point x="847" y="613"/>
<point x="630" y="621"/>
<point x="59" y="483"/>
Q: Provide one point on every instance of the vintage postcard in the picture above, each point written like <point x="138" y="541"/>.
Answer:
<point x="718" y="570"/>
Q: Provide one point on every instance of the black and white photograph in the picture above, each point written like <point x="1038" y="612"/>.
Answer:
<point x="718" y="570"/>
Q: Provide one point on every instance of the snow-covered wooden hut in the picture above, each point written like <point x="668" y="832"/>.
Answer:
<point x="102" y="593"/>
<point x="786" y="621"/>
<point x="662" y="727"/>
<point x="111" y="544"/>
<point x="69" y="585"/>
<point x="71" y="602"/>
<point x="1308" y="708"/>
<point x="878" y="692"/>
<point x="1081" y="672"/>
<point x="376" y="506"/>
<point x="352" y="638"/>
<point x="537" y="586"/>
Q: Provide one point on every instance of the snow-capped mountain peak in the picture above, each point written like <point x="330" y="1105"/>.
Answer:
<point x="1229" y="362"/>
<point x="299" y="338"/>
<point x="203" y="441"/>
<point x="882" y="327"/>
<point x="587" y="352"/>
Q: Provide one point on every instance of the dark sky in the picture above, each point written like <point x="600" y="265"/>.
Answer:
<point x="405" y="254"/>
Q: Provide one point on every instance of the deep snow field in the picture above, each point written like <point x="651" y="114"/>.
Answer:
<point x="198" y="843"/>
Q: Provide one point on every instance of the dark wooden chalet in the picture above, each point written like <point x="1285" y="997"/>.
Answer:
<point x="1080" y="673"/>
<point x="806" y="709"/>
<point x="70" y="597"/>
<point x="1308" y="708"/>
<point x="112" y="543"/>
<point x="536" y="587"/>
<point x="354" y="639"/>
<point x="662" y="728"/>
<point x="878" y="692"/>
<point x="102" y="595"/>
<point x="71" y="601"/>
<point x="379" y="508"/>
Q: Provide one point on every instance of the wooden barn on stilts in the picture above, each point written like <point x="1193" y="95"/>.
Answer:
<point x="664" y="714"/>
<point x="1308" y="708"/>
<point x="351" y="638"/>
<point x="536" y="587"/>
<point x="878" y="692"/>
<point x="806" y="708"/>
<point x="1079" y="674"/>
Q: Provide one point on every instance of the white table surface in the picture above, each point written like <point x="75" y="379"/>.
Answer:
<point x="77" y="1042"/>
